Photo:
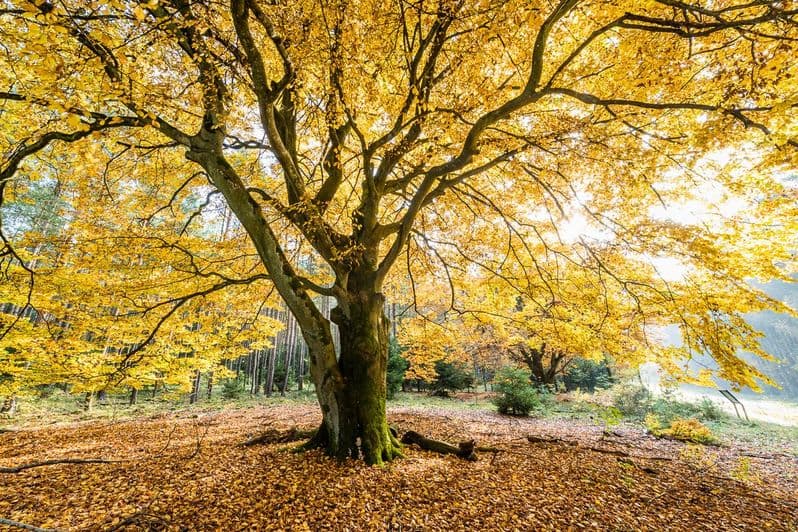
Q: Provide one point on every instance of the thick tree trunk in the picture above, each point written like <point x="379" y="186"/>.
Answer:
<point x="355" y="423"/>
<point x="351" y="390"/>
<point x="544" y="371"/>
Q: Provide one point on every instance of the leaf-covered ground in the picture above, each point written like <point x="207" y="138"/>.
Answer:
<point x="188" y="471"/>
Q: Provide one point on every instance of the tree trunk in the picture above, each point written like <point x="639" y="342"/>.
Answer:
<point x="209" y="391"/>
<point x="195" y="385"/>
<point x="9" y="406"/>
<point x="88" y="401"/>
<point x="256" y="362"/>
<point x="300" y="374"/>
<point x="134" y="395"/>
<point x="355" y="423"/>
<point x="269" y="384"/>
<point x="543" y="374"/>
<point x="289" y="354"/>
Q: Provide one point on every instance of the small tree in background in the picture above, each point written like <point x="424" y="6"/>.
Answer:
<point x="517" y="395"/>
<point x="587" y="375"/>
<point x="397" y="366"/>
<point x="450" y="377"/>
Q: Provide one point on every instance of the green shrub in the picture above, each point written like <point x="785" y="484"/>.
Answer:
<point x="668" y="410"/>
<point x="587" y="375"/>
<point x="233" y="388"/>
<point x="517" y="395"/>
<point x="631" y="399"/>
<point x="709" y="410"/>
<point x="450" y="377"/>
<point x="397" y="366"/>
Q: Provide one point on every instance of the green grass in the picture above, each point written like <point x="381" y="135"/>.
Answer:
<point x="767" y="436"/>
<point x="60" y="407"/>
<point x="423" y="399"/>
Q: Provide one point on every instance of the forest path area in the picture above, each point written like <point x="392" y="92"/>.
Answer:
<point x="188" y="470"/>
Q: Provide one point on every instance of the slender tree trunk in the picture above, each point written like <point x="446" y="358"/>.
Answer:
<point x="269" y="384"/>
<point x="289" y="352"/>
<point x="256" y="364"/>
<point x="210" y="385"/>
<point x="88" y="401"/>
<point x="300" y="374"/>
<point x="134" y="396"/>
<point x="195" y="385"/>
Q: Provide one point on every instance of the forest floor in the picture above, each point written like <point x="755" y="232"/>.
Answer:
<point x="187" y="470"/>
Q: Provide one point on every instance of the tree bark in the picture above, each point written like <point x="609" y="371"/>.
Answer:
<point x="134" y="395"/>
<point x="544" y="372"/>
<point x="355" y="422"/>
<point x="300" y="374"/>
<point x="269" y="384"/>
<point x="195" y="384"/>
<point x="9" y="406"/>
<point x="88" y="401"/>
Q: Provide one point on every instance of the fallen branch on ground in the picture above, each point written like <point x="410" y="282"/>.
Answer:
<point x="17" y="524"/>
<point x="464" y="449"/>
<point x="56" y="461"/>
<point x="545" y="439"/>
<point x="277" y="436"/>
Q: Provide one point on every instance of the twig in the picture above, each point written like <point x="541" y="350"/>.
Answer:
<point x="275" y="436"/>
<point x="17" y="524"/>
<point x="200" y="437"/>
<point x="142" y="517"/>
<point x="56" y="461"/>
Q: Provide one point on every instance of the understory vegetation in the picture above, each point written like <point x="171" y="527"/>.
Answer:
<point x="511" y="393"/>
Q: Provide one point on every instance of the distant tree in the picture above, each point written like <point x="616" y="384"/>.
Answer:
<point x="587" y="375"/>
<point x="451" y="377"/>
<point x="516" y="395"/>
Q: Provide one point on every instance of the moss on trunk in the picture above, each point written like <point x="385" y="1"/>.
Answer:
<point x="355" y="423"/>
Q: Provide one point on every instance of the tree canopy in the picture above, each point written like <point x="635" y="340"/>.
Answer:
<point x="611" y="165"/>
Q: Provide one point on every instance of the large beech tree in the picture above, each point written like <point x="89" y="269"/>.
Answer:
<point x="354" y="131"/>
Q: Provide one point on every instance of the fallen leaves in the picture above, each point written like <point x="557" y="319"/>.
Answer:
<point x="155" y="483"/>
